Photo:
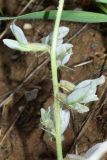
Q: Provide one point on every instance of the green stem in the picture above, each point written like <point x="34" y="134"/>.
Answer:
<point x="55" y="80"/>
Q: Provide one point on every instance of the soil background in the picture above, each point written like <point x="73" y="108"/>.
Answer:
<point x="26" y="85"/>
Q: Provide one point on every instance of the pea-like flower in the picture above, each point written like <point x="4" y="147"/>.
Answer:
<point x="84" y="93"/>
<point x="21" y="42"/>
<point x="94" y="153"/>
<point x="48" y="120"/>
<point x="63" y="50"/>
<point x="63" y="31"/>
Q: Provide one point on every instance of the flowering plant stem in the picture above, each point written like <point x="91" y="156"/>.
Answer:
<point x="55" y="80"/>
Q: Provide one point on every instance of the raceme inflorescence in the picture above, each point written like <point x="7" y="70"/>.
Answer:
<point x="73" y="96"/>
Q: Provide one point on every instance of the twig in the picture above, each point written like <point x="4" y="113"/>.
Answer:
<point x="78" y="32"/>
<point x="23" y="10"/>
<point x="23" y="83"/>
<point x="10" y="128"/>
<point x="83" y="63"/>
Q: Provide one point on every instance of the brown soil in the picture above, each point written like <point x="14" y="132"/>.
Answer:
<point x="26" y="86"/>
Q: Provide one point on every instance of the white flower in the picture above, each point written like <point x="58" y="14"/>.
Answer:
<point x="65" y="117"/>
<point x="63" y="31"/>
<point x="19" y="34"/>
<point x="12" y="44"/>
<point x="97" y="151"/>
<point x="84" y="92"/>
<point x="94" y="153"/>
<point x="21" y="42"/>
<point x="63" y="50"/>
<point x="20" y="39"/>
<point x="48" y="120"/>
<point x="79" y="107"/>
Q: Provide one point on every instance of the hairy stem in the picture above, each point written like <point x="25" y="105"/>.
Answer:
<point x="55" y="80"/>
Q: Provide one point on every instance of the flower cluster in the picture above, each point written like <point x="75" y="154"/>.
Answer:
<point x="83" y="93"/>
<point x="21" y="42"/>
<point x="63" y="50"/>
<point x="48" y="120"/>
<point x="74" y="96"/>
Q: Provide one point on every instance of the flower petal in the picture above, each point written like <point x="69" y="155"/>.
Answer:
<point x="85" y="91"/>
<point x="66" y="59"/>
<point x="92" y="150"/>
<point x="79" y="108"/>
<point x="33" y="47"/>
<point x="78" y="95"/>
<point x="11" y="43"/>
<point x="90" y="98"/>
<point x="74" y="157"/>
<point x="47" y="39"/>
<point x="63" y="31"/>
<point x="64" y="49"/>
<point x="18" y="33"/>
<point x="65" y="117"/>
<point x="98" y="81"/>
<point x="98" y="151"/>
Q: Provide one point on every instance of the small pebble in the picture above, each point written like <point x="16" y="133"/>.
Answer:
<point x="27" y="26"/>
<point x="21" y="108"/>
<point x="31" y="95"/>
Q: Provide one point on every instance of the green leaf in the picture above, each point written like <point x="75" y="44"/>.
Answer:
<point x="101" y="1"/>
<point x="67" y="15"/>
